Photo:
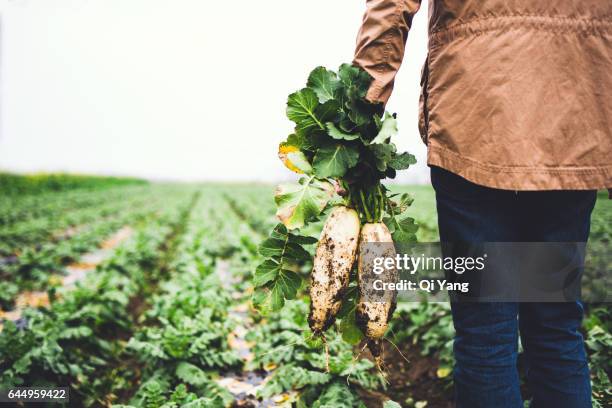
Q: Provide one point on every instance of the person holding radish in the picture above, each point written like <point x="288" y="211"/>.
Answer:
<point x="516" y="111"/>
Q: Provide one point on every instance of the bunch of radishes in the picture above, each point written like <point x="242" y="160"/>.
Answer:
<point x="342" y="241"/>
<point x="342" y="147"/>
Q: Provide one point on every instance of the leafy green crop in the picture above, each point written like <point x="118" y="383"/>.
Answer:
<point x="182" y="344"/>
<point x="41" y="236"/>
<point x="67" y="344"/>
<point x="599" y="346"/>
<point x="76" y="342"/>
<point x="196" y="297"/>
<point x="284" y="340"/>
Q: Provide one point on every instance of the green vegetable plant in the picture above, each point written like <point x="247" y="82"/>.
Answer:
<point x="341" y="148"/>
<point x="283" y="341"/>
<point x="341" y="143"/>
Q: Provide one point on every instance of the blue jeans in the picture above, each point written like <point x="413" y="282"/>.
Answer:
<point x="486" y="340"/>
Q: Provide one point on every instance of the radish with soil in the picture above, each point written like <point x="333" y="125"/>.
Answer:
<point x="341" y="147"/>
<point x="332" y="266"/>
<point x="374" y="310"/>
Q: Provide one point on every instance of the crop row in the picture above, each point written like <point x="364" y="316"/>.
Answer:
<point x="168" y="321"/>
<point x="61" y="214"/>
<point x="182" y="344"/>
<point x="80" y="339"/>
<point x="34" y="266"/>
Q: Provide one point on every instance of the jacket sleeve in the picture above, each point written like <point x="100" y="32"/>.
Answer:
<point x="381" y="41"/>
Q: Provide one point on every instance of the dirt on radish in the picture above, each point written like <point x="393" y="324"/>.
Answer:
<point x="333" y="261"/>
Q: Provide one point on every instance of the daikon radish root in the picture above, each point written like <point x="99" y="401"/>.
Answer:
<point x="374" y="309"/>
<point x="333" y="261"/>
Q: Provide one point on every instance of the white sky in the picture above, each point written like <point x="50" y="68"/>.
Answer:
<point x="174" y="89"/>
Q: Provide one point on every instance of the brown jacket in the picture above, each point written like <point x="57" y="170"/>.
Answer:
<point x="516" y="94"/>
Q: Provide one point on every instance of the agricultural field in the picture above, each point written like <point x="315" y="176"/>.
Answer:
<point x="137" y="294"/>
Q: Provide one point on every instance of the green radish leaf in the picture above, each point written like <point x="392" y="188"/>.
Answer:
<point x="356" y="83"/>
<point x="301" y="107"/>
<point x="266" y="271"/>
<point x="337" y="394"/>
<point x="402" y="237"/>
<point x="337" y="134"/>
<point x="358" y="115"/>
<point x="362" y="112"/>
<point x="302" y="240"/>
<point x="279" y="232"/>
<point x="295" y="252"/>
<point x="350" y="300"/>
<point x="407" y="224"/>
<point x="289" y="282"/>
<point x="402" y="231"/>
<point x="402" y="161"/>
<point x="390" y="223"/>
<point x="206" y="402"/>
<point x="299" y="203"/>
<point x="334" y="161"/>
<point x="22" y="365"/>
<point x="327" y="112"/>
<point x="378" y="121"/>
<point x="355" y="78"/>
<point x="325" y="83"/>
<point x="350" y="332"/>
<point x="284" y="287"/>
<point x="400" y="206"/>
<point x="76" y="332"/>
<point x="291" y="376"/>
<point x="191" y="374"/>
<point x="271" y="247"/>
<point x="405" y="201"/>
<point x="313" y="140"/>
<point x="349" y="329"/>
<point x="297" y="140"/>
<point x="260" y="295"/>
<point x="387" y="130"/>
<point x="390" y="173"/>
<point x="346" y="125"/>
<point x="284" y="251"/>
<point x="383" y="154"/>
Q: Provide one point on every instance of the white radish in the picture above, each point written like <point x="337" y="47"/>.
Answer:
<point x="374" y="309"/>
<point x="333" y="261"/>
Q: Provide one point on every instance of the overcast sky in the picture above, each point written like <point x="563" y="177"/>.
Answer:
<point x="174" y="89"/>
